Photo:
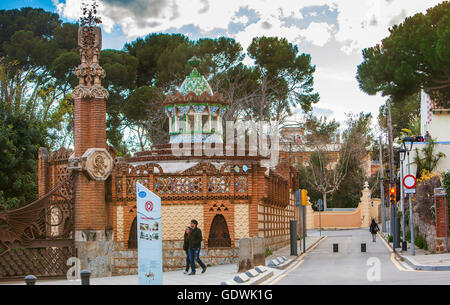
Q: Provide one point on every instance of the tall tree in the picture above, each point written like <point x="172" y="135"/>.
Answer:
<point x="416" y="55"/>
<point x="286" y="77"/>
<point x="20" y="139"/>
<point x="358" y="137"/>
<point x="405" y="114"/>
<point x="320" y="172"/>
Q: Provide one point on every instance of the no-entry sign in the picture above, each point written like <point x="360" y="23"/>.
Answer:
<point x="409" y="181"/>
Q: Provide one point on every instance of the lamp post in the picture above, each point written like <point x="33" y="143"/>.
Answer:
<point x="389" y="208"/>
<point x="383" y="204"/>
<point x="402" y="153"/>
<point x="408" y="143"/>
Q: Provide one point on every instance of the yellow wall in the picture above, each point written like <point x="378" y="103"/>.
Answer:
<point x="357" y="218"/>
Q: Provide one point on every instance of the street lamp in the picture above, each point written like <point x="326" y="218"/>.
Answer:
<point x="407" y="144"/>
<point x="402" y="155"/>
<point x="408" y="141"/>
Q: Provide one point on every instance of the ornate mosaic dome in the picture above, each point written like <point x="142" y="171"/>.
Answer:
<point x="195" y="82"/>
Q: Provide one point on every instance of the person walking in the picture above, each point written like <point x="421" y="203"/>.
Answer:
<point x="374" y="229"/>
<point x="186" y="249"/>
<point x="195" y="242"/>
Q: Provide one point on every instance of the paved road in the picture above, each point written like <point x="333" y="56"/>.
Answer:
<point x="350" y="266"/>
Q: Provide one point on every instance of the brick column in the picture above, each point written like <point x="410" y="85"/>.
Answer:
<point x="91" y="162"/>
<point x="43" y="182"/>
<point x="89" y="132"/>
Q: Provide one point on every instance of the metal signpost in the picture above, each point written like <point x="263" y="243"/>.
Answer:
<point x="304" y="204"/>
<point x="320" y="205"/>
<point x="298" y="204"/>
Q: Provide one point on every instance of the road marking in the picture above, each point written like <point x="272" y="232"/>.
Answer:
<point x="400" y="266"/>
<point x="300" y="259"/>
<point x="287" y="272"/>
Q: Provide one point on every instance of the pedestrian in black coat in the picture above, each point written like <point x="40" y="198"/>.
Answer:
<point x="195" y="243"/>
<point x="186" y="249"/>
<point x="373" y="230"/>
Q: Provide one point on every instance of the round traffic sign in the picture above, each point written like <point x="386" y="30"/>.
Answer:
<point x="409" y="181"/>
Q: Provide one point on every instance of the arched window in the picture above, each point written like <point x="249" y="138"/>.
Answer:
<point x="132" y="237"/>
<point x="219" y="236"/>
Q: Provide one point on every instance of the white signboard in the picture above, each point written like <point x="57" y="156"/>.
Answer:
<point x="149" y="236"/>
<point x="410" y="191"/>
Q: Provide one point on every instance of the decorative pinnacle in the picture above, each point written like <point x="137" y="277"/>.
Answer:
<point x="89" y="18"/>
<point x="194" y="61"/>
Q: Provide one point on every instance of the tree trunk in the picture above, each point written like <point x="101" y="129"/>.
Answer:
<point x="324" y="195"/>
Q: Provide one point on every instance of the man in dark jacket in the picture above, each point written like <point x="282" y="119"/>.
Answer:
<point x="195" y="243"/>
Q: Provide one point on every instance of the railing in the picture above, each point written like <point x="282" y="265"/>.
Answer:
<point x="178" y="186"/>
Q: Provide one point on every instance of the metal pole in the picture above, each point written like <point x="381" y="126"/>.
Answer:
<point x="402" y="203"/>
<point x="320" y="223"/>
<point x="411" y="220"/>
<point x="383" y="213"/>
<point x="446" y="222"/>
<point x="394" y="239"/>
<point x="304" y="229"/>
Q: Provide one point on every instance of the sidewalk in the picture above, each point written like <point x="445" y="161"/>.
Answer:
<point x="422" y="260"/>
<point x="213" y="276"/>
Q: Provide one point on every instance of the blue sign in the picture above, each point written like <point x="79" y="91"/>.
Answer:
<point x="150" y="263"/>
<point x="320" y="204"/>
<point x="298" y="198"/>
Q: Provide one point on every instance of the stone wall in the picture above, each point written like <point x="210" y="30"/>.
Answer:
<point x="124" y="261"/>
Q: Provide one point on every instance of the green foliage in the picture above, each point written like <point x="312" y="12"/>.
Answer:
<point x="358" y="133"/>
<point x="20" y="140"/>
<point x="290" y="73"/>
<point x="446" y="182"/>
<point x="267" y="252"/>
<point x="429" y="160"/>
<point x="404" y="113"/>
<point x="416" y="55"/>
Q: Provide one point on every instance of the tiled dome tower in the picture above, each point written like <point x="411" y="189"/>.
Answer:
<point x="195" y="112"/>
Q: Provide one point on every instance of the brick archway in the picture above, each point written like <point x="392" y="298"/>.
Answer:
<point x="219" y="235"/>
<point x="132" y="237"/>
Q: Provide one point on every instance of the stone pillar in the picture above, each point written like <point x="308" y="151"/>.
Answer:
<point x="309" y="217"/>
<point x="258" y="251"/>
<point x="91" y="161"/>
<point x="245" y="255"/>
<point x="364" y="206"/>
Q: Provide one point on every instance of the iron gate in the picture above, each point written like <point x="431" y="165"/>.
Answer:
<point x="38" y="238"/>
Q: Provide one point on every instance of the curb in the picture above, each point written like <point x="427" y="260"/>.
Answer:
<point x="418" y="266"/>
<point x="298" y="258"/>
<point x="251" y="277"/>
<point x="414" y="264"/>
<point x="265" y="274"/>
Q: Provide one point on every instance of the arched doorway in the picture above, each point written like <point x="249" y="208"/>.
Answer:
<point x="219" y="236"/>
<point x="132" y="237"/>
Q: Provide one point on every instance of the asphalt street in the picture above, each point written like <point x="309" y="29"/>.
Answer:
<point x="350" y="266"/>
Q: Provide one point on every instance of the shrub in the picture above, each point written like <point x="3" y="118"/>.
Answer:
<point x="268" y="252"/>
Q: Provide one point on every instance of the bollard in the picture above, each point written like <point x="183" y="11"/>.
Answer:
<point x="30" y="280"/>
<point x="335" y="248"/>
<point x="85" y="275"/>
<point x="363" y="247"/>
<point x="404" y="246"/>
<point x="293" y="232"/>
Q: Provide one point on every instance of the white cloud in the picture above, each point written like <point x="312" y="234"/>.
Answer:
<point x="359" y="24"/>
<point x="318" y="33"/>
<point x="364" y="23"/>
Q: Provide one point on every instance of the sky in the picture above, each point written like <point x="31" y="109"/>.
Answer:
<point x="333" y="32"/>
